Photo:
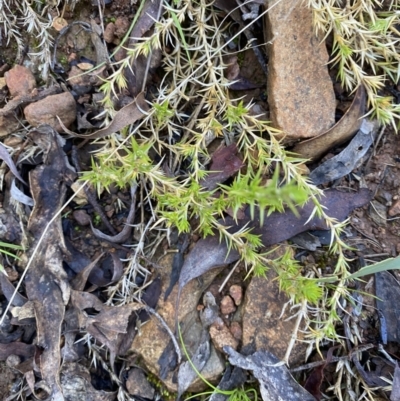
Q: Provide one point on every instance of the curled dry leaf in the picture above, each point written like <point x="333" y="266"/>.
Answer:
<point x="126" y="231"/>
<point x="136" y="74"/>
<point x="341" y="132"/>
<point x="346" y="161"/>
<point x="225" y="163"/>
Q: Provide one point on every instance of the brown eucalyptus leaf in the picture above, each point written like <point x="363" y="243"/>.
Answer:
<point x="136" y="74"/>
<point x="109" y="325"/>
<point x="342" y="131"/>
<point x="46" y="281"/>
<point x="225" y="163"/>
<point x="315" y="379"/>
<point x="276" y="382"/>
<point x="16" y="348"/>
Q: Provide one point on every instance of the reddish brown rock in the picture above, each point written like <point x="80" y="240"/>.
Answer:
<point x="121" y="27"/>
<point x="221" y="336"/>
<point x="77" y="77"/>
<point x="236" y="330"/>
<point x="20" y="81"/>
<point x="8" y="124"/>
<point x="46" y="111"/>
<point x="81" y="217"/>
<point x="395" y="208"/>
<point x="227" y="306"/>
<point x="109" y="32"/>
<point x="137" y="384"/>
<point x="300" y="91"/>
<point x="153" y="339"/>
<point x="264" y="326"/>
<point x="236" y="292"/>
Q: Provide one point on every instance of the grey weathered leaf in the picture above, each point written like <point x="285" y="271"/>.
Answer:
<point x="186" y="373"/>
<point x="276" y="382"/>
<point x="387" y="291"/>
<point x="395" y="395"/>
<point x="346" y="161"/>
<point x="19" y="196"/>
<point x="207" y="254"/>
<point x="9" y="161"/>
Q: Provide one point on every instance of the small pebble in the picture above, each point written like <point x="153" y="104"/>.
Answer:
<point x="236" y="330"/>
<point x="221" y="336"/>
<point x="395" y="208"/>
<point x="12" y="275"/>
<point x="20" y="81"/>
<point x="236" y="292"/>
<point x="227" y="306"/>
<point x="81" y="217"/>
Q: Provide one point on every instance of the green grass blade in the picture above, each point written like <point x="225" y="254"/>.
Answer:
<point x="388" y="264"/>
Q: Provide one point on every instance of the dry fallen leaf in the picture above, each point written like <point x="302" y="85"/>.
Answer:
<point x="346" y="161"/>
<point x="342" y="131"/>
<point x="225" y="163"/>
<point x="46" y="281"/>
<point x="137" y="72"/>
<point x="276" y="382"/>
<point x="5" y="156"/>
